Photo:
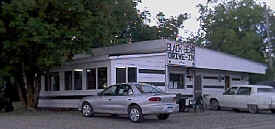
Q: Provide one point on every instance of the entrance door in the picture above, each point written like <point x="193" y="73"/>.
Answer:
<point x="198" y="86"/>
<point x="227" y="82"/>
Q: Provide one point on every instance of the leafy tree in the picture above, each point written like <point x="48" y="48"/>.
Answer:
<point x="169" y="27"/>
<point x="36" y="35"/>
<point x="166" y="28"/>
<point x="238" y="27"/>
<point x="235" y="27"/>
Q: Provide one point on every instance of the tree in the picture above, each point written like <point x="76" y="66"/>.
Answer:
<point x="235" y="27"/>
<point x="169" y="27"/>
<point x="37" y="35"/>
<point x="166" y="28"/>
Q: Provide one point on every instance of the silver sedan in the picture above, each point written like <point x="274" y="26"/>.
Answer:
<point x="133" y="99"/>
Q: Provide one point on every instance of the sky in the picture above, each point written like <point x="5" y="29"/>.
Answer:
<point x="176" y="7"/>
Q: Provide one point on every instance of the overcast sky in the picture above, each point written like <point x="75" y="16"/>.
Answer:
<point x="176" y="7"/>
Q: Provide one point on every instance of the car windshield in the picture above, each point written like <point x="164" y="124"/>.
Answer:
<point x="147" y="88"/>
<point x="266" y="90"/>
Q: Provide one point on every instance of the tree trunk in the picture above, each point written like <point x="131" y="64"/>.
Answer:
<point x="37" y="88"/>
<point x="21" y="91"/>
<point x="20" y="84"/>
<point x="32" y="84"/>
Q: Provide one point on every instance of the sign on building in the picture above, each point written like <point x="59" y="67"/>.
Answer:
<point x="181" y="53"/>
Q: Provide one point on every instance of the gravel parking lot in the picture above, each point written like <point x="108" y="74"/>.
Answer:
<point x="190" y="120"/>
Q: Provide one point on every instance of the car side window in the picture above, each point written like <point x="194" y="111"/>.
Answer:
<point x="149" y="89"/>
<point x="111" y="91"/>
<point x="124" y="90"/>
<point x="244" y="91"/>
<point x="231" y="91"/>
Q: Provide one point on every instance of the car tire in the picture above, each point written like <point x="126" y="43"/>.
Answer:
<point x="135" y="114"/>
<point x="252" y="108"/>
<point x="87" y="110"/>
<point x="215" y="104"/>
<point x="163" y="116"/>
<point x="273" y="110"/>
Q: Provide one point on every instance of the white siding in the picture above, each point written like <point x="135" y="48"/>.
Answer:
<point x="150" y="61"/>
<point x="151" y="77"/>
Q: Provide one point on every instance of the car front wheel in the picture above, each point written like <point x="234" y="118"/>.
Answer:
<point x="87" y="110"/>
<point x="163" y="116"/>
<point x="135" y="114"/>
<point x="253" y="108"/>
<point x="215" y="104"/>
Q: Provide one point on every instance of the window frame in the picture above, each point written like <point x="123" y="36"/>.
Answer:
<point x="106" y="89"/>
<point x="128" y="74"/>
<point x="180" y="85"/>
<point x="95" y="79"/>
<point x="121" y="79"/>
<point x="55" y="83"/>
<point x="76" y="87"/>
<point x="227" y="91"/>
<point x="239" y="89"/>
<point x="98" y="78"/>
<point x="66" y="88"/>
<point x="123" y="85"/>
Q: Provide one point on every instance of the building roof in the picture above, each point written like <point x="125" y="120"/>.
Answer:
<point x="144" y="47"/>
<point x="204" y="58"/>
<point x="210" y="59"/>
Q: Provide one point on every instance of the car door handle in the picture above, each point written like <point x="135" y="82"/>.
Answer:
<point x="129" y="99"/>
<point x="109" y="99"/>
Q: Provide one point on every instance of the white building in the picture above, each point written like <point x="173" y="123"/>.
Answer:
<point x="174" y="67"/>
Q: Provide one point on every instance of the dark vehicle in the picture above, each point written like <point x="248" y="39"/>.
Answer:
<point x="5" y="102"/>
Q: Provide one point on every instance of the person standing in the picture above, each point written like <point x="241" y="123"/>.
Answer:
<point x="198" y="104"/>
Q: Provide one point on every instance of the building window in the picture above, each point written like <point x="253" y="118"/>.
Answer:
<point x="78" y="79"/>
<point x="91" y="78"/>
<point x="52" y="82"/>
<point x="68" y="80"/>
<point x="189" y="86"/>
<point x="132" y="74"/>
<point x="176" y="81"/>
<point x="120" y="75"/>
<point x="151" y="71"/>
<point x="47" y="82"/>
<point x="102" y="78"/>
<point x="236" y="79"/>
<point x="210" y="77"/>
<point x="55" y="81"/>
<point x="244" y="91"/>
<point x="213" y="86"/>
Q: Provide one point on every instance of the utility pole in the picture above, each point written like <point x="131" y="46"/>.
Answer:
<point x="269" y="43"/>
